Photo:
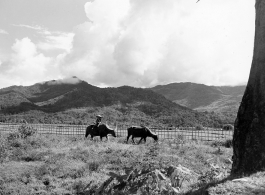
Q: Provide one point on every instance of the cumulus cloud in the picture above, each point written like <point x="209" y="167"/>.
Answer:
<point x="27" y="65"/>
<point x="70" y="80"/>
<point x="32" y="62"/>
<point x="144" y="43"/>
<point x="24" y="48"/>
<point x="51" y="40"/>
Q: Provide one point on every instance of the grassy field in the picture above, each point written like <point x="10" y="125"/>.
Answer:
<point x="49" y="164"/>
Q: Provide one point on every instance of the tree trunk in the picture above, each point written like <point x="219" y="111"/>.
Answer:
<point x="249" y="133"/>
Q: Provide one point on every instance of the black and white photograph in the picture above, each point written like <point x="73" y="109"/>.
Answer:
<point x="121" y="97"/>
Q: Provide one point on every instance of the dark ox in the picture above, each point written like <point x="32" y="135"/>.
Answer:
<point x="142" y="132"/>
<point x="102" y="130"/>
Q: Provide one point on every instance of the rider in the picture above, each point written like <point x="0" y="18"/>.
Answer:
<point x="98" y="121"/>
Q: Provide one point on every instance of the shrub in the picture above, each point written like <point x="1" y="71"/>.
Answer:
<point x="199" y="127"/>
<point x="93" y="166"/>
<point x="228" y="127"/>
<point x="228" y="143"/>
<point x="26" y="131"/>
<point x="16" y="143"/>
<point x="78" y="187"/>
<point x="13" y="136"/>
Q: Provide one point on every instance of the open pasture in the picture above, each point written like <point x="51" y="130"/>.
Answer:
<point x="188" y="133"/>
<point x="50" y="164"/>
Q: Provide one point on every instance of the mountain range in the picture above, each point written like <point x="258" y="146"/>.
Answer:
<point x="54" y="96"/>
<point x="202" y="97"/>
<point x="177" y="103"/>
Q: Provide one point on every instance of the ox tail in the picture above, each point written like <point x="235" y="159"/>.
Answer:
<point x="86" y="132"/>
<point x="115" y="130"/>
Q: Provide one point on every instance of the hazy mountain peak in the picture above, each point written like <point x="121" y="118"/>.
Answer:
<point x="69" y="80"/>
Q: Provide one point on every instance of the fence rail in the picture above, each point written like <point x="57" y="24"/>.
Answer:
<point x="188" y="133"/>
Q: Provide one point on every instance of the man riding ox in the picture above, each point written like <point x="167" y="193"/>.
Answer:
<point x="99" y="129"/>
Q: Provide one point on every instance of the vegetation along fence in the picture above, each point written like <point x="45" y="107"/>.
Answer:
<point x="188" y="133"/>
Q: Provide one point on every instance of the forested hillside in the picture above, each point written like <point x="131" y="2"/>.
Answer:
<point x="221" y="100"/>
<point x="54" y="101"/>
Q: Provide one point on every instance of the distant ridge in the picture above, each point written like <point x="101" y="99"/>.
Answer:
<point x="62" y="95"/>
<point x="224" y="100"/>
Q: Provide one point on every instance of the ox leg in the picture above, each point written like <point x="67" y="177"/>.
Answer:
<point x="133" y="139"/>
<point x="128" y="138"/>
<point x="140" y="140"/>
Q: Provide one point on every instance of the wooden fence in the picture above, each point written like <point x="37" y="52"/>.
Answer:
<point x="188" y="133"/>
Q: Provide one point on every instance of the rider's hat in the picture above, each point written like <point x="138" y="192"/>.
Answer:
<point x="99" y="116"/>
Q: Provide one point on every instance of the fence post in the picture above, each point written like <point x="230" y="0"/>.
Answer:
<point x="208" y="134"/>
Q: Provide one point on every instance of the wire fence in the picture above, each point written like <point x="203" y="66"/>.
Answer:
<point x="187" y="133"/>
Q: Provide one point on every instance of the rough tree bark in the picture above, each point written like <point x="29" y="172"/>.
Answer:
<point x="249" y="133"/>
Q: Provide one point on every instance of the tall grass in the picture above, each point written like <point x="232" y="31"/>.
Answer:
<point x="38" y="164"/>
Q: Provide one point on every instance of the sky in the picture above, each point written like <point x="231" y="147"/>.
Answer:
<point x="140" y="43"/>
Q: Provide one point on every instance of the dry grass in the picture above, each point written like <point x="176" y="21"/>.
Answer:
<point x="66" y="165"/>
<point x="253" y="185"/>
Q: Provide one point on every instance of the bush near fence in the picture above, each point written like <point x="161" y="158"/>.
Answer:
<point x="188" y="133"/>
